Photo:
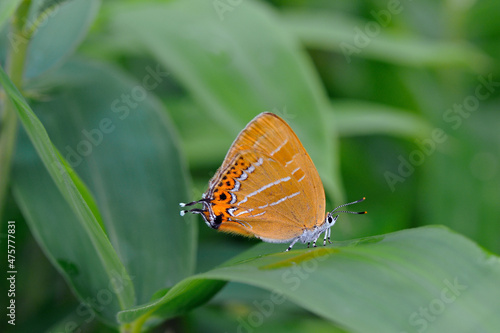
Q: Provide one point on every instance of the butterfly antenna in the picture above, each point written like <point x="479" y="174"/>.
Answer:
<point x="182" y="204"/>
<point x="348" y="211"/>
<point x="194" y="211"/>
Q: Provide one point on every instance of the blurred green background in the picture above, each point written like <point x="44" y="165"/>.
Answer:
<point x="397" y="101"/>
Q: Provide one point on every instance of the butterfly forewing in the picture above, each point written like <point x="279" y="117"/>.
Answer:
<point x="267" y="182"/>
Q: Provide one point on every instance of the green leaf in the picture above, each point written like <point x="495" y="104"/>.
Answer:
<point x="353" y="117"/>
<point x="44" y="5"/>
<point x="353" y="38"/>
<point x="175" y="302"/>
<point x="237" y="64"/>
<point x="58" y="29"/>
<point x="69" y="192"/>
<point x="428" y="279"/>
<point x="116" y="136"/>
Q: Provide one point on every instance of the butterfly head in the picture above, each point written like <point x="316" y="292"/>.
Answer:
<point x="331" y="219"/>
<point x="212" y="218"/>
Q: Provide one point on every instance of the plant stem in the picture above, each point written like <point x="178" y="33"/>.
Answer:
<point x="15" y="68"/>
<point x="136" y="326"/>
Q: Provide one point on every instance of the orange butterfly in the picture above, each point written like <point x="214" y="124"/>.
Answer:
<point x="268" y="187"/>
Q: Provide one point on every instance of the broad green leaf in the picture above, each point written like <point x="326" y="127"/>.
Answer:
<point x="428" y="278"/>
<point x="58" y="30"/>
<point x="64" y="240"/>
<point x="237" y="64"/>
<point x="40" y="6"/>
<point x="116" y="136"/>
<point x="80" y="185"/>
<point x="357" y="38"/>
<point x="233" y="318"/>
<point x="363" y="118"/>
<point x="72" y="197"/>
<point x="240" y="307"/>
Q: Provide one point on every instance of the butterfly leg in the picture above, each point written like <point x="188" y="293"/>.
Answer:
<point x="314" y="243"/>
<point x="329" y="233"/>
<point x="308" y="244"/>
<point x="292" y="244"/>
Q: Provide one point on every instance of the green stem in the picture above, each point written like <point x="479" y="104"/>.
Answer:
<point x="15" y="68"/>
<point x="136" y="326"/>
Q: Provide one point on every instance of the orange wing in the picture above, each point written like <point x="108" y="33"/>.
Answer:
<point x="267" y="185"/>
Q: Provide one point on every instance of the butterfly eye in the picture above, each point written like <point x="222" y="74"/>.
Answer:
<point x="217" y="221"/>
<point x="330" y="219"/>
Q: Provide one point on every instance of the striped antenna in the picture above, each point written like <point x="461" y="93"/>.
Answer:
<point x="348" y="211"/>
